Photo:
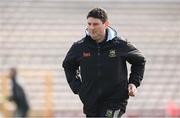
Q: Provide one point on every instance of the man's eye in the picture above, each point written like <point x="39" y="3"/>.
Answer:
<point x="95" y="24"/>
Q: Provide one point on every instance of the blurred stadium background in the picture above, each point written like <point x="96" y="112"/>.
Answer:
<point x="36" y="34"/>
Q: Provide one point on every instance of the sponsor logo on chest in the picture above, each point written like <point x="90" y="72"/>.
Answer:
<point x="86" y="54"/>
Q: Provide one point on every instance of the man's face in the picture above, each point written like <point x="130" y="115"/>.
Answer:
<point x="96" y="28"/>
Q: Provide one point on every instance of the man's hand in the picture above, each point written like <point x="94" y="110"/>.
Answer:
<point x="132" y="90"/>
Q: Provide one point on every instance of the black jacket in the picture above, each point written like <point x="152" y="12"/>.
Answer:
<point x="103" y="71"/>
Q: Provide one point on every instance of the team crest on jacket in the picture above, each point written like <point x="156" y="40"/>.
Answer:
<point x="112" y="53"/>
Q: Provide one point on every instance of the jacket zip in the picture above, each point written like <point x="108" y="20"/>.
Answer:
<point x="98" y="68"/>
<point x="98" y="62"/>
<point x="98" y="50"/>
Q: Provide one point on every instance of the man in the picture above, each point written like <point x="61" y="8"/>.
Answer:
<point x="100" y="58"/>
<point x="18" y="96"/>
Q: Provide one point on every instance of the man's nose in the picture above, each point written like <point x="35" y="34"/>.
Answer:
<point x="91" y="27"/>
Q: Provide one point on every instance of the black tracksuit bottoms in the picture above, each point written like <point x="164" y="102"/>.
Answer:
<point x="105" y="112"/>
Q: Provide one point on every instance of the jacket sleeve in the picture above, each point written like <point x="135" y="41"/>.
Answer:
<point x="137" y="61"/>
<point x="71" y="68"/>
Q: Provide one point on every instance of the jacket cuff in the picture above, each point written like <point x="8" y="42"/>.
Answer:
<point x="137" y="84"/>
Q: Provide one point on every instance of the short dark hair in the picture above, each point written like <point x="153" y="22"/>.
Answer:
<point x="98" y="13"/>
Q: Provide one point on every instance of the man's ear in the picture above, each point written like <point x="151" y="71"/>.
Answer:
<point x="106" y="23"/>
